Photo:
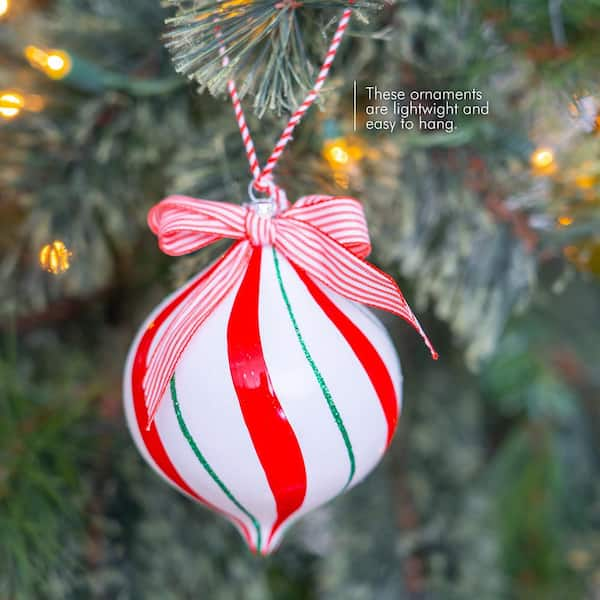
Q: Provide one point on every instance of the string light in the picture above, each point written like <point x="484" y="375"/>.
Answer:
<point x="565" y="220"/>
<point x="54" y="257"/>
<point x="343" y="154"/>
<point x="585" y="182"/>
<point x="340" y="152"/>
<point x="543" y="161"/>
<point x="4" y="8"/>
<point x="335" y="152"/>
<point x="11" y="104"/>
<point x="56" y="64"/>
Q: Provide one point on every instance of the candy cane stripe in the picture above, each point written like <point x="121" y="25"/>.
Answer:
<point x="274" y="440"/>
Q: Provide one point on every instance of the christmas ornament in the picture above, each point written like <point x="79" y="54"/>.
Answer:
<point x="263" y="388"/>
<point x="287" y="396"/>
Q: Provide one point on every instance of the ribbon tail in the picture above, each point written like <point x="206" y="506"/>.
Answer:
<point x="333" y="265"/>
<point x="412" y="319"/>
<point x="171" y="343"/>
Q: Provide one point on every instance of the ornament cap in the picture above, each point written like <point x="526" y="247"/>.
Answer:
<point x="276" y="197"/>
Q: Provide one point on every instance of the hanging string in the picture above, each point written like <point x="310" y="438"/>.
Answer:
<point x="286" y="136"/>
<point x="262" y="178"/>
<point x="239" y="113"/>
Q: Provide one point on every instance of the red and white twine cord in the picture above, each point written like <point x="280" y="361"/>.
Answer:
<point x="239" y="113"/>
<point x="286" y="136"/>
<point x="263" y="178"/>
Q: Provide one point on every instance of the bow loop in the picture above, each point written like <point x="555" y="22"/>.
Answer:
<point x="184" y="225"/>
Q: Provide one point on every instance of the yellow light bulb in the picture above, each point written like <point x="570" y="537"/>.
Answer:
<point x="585" y="182"/>
<point x="4" y="7"/>
<point x="339" y="155"/>
<point x="565" y="220"/>
<point x="11" y="104"/>
<point x="54" y="257"/>
<point x="56" y="64"/>
<point x="336" y="152"/>
<point x="542" y="158"/>
<point x="36" y="56"/>
<point x="543" y="161"/>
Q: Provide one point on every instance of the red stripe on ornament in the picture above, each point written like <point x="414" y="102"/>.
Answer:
<point x="272" y="435"/>
<point x="363" y="349"/>
<point x="151" y="436"/>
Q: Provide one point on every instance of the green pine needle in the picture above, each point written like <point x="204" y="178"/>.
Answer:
<point x="265" y="43"/>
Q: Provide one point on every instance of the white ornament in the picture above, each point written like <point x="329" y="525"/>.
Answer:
<point x="286" y="396"/>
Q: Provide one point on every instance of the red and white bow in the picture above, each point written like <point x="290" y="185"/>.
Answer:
<point x="326" y="236"/>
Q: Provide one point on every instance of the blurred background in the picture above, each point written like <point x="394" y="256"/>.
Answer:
<point x="490" y="489"/>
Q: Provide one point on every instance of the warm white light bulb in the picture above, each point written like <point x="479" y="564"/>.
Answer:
<point x="55" y="62"/>
<point x="11" y="104"/>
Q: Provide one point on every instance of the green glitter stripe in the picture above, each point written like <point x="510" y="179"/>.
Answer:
<point x="319" y="377"/>
<point x="207" y="467"/>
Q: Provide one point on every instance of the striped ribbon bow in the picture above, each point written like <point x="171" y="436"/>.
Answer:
<point x="326" y="236"/>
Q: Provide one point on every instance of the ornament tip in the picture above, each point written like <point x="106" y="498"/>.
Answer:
<point x="429" y="345"/>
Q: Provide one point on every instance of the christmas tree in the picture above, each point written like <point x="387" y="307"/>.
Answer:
<point x="470" y="131"/>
